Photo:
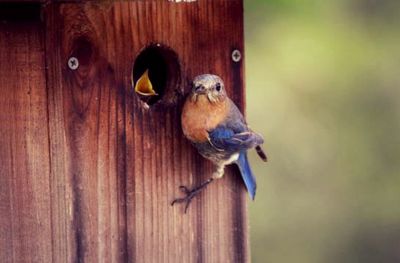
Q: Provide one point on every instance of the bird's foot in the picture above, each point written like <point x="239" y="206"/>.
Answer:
<point x="190" y="193"/>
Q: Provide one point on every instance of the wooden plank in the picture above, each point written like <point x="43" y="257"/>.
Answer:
<point x="90" y="211"/>
<point x="116" y="166"/>
<point x="25" y="221"/>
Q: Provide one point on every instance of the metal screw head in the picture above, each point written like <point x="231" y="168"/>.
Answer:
<point x="73" y="63"/>
<point x="236" y="55"/>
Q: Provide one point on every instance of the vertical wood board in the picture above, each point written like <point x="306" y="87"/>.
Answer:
<point x="25" y="216"/>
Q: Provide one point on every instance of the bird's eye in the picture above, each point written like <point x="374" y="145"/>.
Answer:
<point x="218" y="87"/>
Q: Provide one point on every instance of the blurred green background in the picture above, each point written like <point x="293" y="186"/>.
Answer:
<point x="323" y="87"/>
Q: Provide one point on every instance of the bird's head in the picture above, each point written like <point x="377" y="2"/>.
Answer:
<point x="210" y="86"/>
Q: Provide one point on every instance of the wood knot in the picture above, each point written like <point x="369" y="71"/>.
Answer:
<point x="86" y="55"/>
<point x="83" y="75"/>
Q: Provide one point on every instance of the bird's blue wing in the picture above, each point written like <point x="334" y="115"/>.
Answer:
<point x="224" y="138"/>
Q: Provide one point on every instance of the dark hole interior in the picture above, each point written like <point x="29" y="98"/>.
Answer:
<point x="19" y="11"/>
<point x="163" y="69"/>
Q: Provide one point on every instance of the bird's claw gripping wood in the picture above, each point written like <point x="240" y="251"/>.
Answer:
<point x="190" y="193"/>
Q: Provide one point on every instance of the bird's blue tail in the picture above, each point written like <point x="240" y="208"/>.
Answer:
<point x="247" y="174"/>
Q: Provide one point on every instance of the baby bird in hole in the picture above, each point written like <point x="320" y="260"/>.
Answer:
<point x="216" y="127"/>
<point x="144" y="89"/>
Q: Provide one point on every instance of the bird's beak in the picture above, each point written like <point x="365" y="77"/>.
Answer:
<point x="143" y="85"/>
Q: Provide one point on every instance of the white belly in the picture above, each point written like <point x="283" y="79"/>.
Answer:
<point x="232" y="159"/>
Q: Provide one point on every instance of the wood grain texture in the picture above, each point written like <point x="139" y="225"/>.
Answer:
<point x="25" y="217"/>
<point x="111" y="167"/>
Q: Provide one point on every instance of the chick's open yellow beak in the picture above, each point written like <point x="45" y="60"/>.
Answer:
<point x="143" y="85"/>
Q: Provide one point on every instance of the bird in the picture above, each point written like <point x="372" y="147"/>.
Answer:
<point x="215" y="126"/>
<point x="144" y="86"/>
<point x="145" y="89"/>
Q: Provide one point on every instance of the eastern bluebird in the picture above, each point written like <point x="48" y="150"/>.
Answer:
<point x="215" y="126"/>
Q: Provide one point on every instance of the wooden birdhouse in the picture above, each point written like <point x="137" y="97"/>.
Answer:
<point x="88" y="165"/>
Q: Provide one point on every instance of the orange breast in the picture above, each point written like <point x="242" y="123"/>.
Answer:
<point x="199" y="117"/>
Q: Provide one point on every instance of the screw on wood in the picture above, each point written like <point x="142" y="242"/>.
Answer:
<point x="236" y="55"/>
<point x="73" y="63"/>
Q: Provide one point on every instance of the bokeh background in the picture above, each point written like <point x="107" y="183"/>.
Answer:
<point x="323" y="87"/>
